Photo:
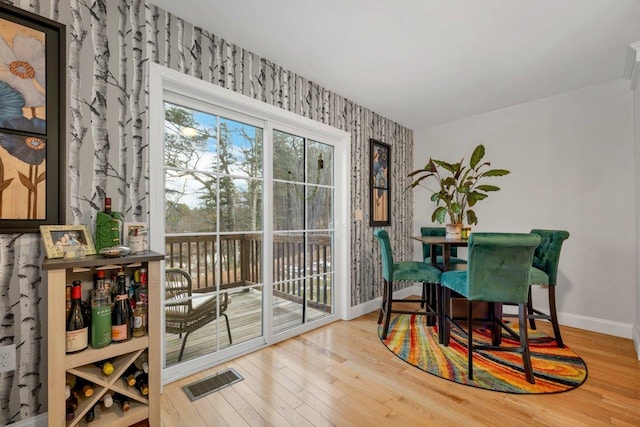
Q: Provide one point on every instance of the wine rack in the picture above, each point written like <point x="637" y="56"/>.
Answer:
<point x="59" y="274"/>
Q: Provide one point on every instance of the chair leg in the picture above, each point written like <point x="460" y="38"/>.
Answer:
<point x="445" y="332"/>
<point x="524" y="342"/>
<point x="428" y="289"/>
<point x="184" y="342"/>
<point x="226" y="318"/>
<point x="554" y="315"/>
<point x="495" y="312"/>
<point x="470" y="339"/>
<point x="532" y="321"/>
<point x="424" y="296"/>
<point x="387" y="314"/>
<point x="384" y="300"/>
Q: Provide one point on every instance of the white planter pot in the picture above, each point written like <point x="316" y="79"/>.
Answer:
<point x="453" y="231"/>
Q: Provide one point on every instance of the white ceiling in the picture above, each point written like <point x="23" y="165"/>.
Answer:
<point x="426" y="62"/>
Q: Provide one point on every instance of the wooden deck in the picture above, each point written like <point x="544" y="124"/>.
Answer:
<point x="245" y="320"/>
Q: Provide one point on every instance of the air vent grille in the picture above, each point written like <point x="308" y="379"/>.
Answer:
<point x="212" y="384"/>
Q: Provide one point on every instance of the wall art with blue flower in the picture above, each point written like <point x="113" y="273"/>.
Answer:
<point x="23" y="121"/>
<point x="380" y="156"/>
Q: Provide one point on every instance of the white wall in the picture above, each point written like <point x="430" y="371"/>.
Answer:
<point x="636" y="120"/>
<point x="571" y="158"/>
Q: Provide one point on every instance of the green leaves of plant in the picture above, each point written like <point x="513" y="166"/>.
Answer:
<point x="477" y="155"/>
<point x="496" y="172"/>
<point x="458" y="186"/>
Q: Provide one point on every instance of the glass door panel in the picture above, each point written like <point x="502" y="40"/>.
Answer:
<point x="303" y="203"/>
<point x="213" y="228"/>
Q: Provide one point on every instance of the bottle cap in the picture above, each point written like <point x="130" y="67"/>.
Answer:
<point x="107" y="368"/>
<point x="107" y="400"/>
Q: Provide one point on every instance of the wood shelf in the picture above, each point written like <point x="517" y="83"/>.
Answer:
<point x="62" y="272"/>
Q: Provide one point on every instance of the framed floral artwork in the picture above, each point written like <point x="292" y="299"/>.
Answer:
<point x="32" y="120"/>
<point x="380" y="167"/>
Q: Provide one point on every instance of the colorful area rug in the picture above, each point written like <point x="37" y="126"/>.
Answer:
<point x="555" y="369"/>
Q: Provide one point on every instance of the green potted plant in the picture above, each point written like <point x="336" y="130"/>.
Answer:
<point x="459" y="188"/>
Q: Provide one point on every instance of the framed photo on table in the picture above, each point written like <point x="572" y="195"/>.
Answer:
<point x="379" y="182"/>
<point x="32" y="117"/>
<point x="58" y="238"/>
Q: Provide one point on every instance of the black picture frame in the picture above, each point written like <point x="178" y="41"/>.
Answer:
<point x="32" y="183"/>
<point x="379" y="183"/>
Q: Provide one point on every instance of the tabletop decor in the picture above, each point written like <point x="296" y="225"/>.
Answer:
<point x="59" y="239"/>
<point x="32" y="100"/>
<point x="555" y="369"/>
<point x="458" y="188"/>
<point x="380" y="190"/>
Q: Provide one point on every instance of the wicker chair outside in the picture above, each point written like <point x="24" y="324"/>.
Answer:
<point x="184" y="312"/>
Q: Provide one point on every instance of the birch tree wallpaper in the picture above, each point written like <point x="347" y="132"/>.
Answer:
<point x="110" y="43"/>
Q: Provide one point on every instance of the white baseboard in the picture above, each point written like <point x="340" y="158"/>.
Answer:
<point x="373" y="305"/>
<point x="593" y="324"/>
<point x="37" y="421"/>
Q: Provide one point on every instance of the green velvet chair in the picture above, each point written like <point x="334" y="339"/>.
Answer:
<point x="406" y="271"/>
<point x="426" y="249"/>
<point x="545" y="272"/>
<point x="498" y="272"/>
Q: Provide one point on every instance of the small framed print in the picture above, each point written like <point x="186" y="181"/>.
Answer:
<point x="380" y="171"/>
<point x="58" y="239"/>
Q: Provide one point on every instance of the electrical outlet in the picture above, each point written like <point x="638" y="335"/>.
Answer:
<point x="8" y="358"/>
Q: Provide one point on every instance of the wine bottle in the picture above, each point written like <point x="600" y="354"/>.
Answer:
<point x="106" y="366"/>
<point x="107" y="401"/>
<point x="77" y="334"/>
<point x="72" y="405"/>
<point x="121" y="330"/>
<point x="83" y="388"/>
<point x="142" y="383"/>
<point x="141" y="363"/>
<point x="91" y="414"/>
<point x="129" y="376"/>
<point x="122" y="401"/>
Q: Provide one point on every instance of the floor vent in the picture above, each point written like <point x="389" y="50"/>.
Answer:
<point x="212" y="384"/>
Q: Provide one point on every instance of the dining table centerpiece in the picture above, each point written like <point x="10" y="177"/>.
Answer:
<point x="458" y="188"/>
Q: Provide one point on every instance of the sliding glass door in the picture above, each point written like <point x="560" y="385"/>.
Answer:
<point x="213" y="227"/>
<point x="303" y="194"/>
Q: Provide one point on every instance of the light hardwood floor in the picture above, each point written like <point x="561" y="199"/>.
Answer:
<point x="342" y="375"/>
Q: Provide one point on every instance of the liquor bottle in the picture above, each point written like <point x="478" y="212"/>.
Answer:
<point x="82" y="388"/>
<point x="140" y="320"/>
<point x="129" y="376"/>
<point x="122" y="401"/>
<point x="107" y="401"/>
<point x="106" y="366"/>
<point x="91" y="414"/>
<point x="77" y="334"/>
<point x="68" y="299"/>
<point x="142" y="383"/>
<point x="100" y="318"/>
<point x="121" y="330"/>
<point x="142" y="292"/>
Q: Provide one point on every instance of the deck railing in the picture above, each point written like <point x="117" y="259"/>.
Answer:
<point x="240" y="264"/>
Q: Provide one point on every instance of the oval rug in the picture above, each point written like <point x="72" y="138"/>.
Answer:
<point x="556" y="369"/>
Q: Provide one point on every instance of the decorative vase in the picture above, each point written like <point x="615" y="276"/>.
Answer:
<point x="453" y="231"/>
